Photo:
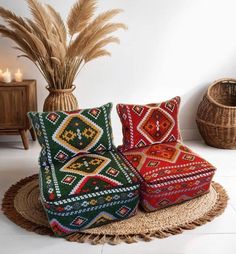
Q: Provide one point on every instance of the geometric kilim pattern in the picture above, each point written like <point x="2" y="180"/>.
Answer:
<point x="165" y="152"/>
<point x="87" y="173"/>
<point x="144" y="125"/>
<point x="70" y="133"/>
<point x="94" y="189"/>
<point x="86" y="165"/>
<point x="77" y="133"/>
<point x="84" y="182"/>
<point x="171" y="174"/>
<point x="156" y="125"/>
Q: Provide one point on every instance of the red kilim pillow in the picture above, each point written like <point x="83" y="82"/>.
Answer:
<point x="144" y="125"/>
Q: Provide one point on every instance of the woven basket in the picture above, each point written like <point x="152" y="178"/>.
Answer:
<point x="216" y="115"/>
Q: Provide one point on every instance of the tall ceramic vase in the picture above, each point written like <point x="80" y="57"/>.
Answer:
<point x="60" y="100"/>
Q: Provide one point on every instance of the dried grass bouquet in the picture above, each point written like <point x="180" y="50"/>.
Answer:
<point x="60" y="50"/>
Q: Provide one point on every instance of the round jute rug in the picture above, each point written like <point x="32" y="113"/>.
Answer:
<point x="21" y="205"/>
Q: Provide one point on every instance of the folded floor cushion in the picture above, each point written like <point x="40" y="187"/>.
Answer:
<point x="171" y="173"/>
<point x="144" y="125"/>
<point x="83" y="181"/>
<point x="86" y="191"/>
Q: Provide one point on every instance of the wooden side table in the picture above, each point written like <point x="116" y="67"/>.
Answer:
<point x="16" y="99"/>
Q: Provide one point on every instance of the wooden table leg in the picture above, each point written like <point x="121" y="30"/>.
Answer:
<point x="32" y="132"/>
<point x="24" y="139"/>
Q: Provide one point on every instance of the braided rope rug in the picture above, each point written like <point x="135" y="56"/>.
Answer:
<point x="22" y="206"/>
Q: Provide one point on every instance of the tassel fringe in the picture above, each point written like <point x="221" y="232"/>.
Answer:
<point x="13" y="215"/>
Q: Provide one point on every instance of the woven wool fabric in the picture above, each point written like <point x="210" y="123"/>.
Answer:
<point x="144" y="125"/>
<point x="66" y="134"/>
<point x="83" y="181"/>
<point x="171" y="173"/>
<point x="87" y="191"/>
<point x="21" y="205"/>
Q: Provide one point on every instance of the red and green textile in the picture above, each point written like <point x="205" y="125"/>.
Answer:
<point x="171" y="173"/>
<point x="144" y="125"/>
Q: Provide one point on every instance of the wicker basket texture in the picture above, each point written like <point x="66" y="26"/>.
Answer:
<point x="60" y="100"/>
<point x="216" y="115"/>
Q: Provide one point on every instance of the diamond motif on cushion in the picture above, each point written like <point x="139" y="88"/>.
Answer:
<point x="36" y="126"/>
<point x="112" y="172"/>
<point x="86" y="165"/>
<point x="77" y="133"/>
<point x="163" y="152"/>
<point x="94" y="112"/>
<point x="68" y="208"/>
<point x="78" y="221"/>
<point x="93" y="202"/>
<point x="136" y="159"/>
<point x="152" y="163"/>
<point x="68" y="179"/>
<point x="170" y="105"/>
<point x="156" y="125"/>
<point x="100" y="148"/>
<point x="138" y="109"/>
<point x="189" y="157"/>
<point x="52" y="117"/>
<point x="61" y="156"/>
<point x="124" y="116"/>
<point x="123" y="211"/>
<point x="141" y="143"/>
<point x="171" y="138"/>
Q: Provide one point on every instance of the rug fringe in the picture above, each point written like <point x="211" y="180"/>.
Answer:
<point x="13" y="215"/>
<point x="10" y="211"/>
<point x="217" y="210"/>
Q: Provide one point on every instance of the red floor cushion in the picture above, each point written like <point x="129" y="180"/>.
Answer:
<point x="171" y="173"/>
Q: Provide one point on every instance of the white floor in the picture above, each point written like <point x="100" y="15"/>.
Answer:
<point x="218" y="236"/>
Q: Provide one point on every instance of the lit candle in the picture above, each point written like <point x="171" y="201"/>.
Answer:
<point x="1" y="75"/>
<point x="18" y="76"/>
<point x="7" y="76"/>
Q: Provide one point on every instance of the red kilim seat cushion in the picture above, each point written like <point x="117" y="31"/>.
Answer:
<point x="144" y="125"/>
<point x="171" y="173"/>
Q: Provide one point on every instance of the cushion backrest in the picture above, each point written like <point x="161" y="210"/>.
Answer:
<point x="144" y="125"/>
<point x="65" y="134"/>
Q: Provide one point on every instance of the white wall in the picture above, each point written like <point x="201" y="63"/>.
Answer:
<point x="171" y="48"/>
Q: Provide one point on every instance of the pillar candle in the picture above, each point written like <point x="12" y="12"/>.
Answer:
<point x="18" y="76"/>
<point x="7" y="76"/>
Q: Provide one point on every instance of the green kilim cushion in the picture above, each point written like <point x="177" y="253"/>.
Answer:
<point x="87" y="191"/>
<point x="84" y="182"/>
<point x="66" y="134"/>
